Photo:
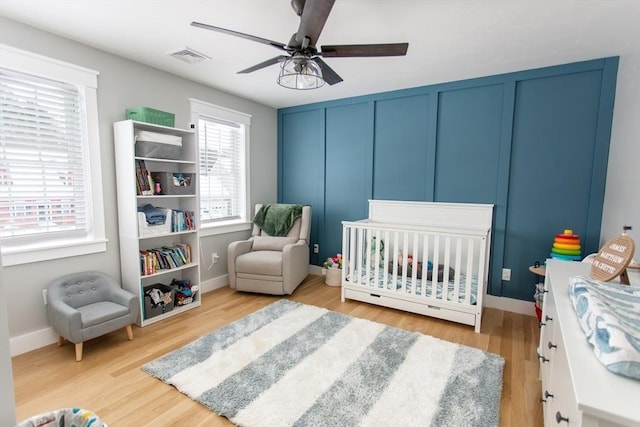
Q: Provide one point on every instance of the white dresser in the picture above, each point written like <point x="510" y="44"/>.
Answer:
<point x="577" y="390"/>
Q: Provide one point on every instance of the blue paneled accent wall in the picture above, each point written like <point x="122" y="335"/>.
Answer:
<point x="401" y="156"/>
<point x="533" y="143"/>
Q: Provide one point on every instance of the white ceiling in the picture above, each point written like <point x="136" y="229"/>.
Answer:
<point x="448" y="40"/>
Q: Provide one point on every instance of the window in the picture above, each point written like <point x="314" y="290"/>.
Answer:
<point x="50" y="180"/>
<point x="223" y="140"/>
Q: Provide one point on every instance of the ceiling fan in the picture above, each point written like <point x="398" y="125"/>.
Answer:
<point x="303" y="67"/>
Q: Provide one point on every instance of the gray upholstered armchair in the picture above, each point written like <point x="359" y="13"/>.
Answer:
<point x="86" y="305"/>
<point x="269" y="264"/>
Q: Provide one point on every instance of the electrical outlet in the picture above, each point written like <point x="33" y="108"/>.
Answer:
<point x="506" y="274"/>
<point x="44" y="296"/>
<point x="215" y="257"/>
<point x="316" y="248"/>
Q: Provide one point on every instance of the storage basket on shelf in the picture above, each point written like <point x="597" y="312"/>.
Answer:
<point x="175" y="183"/>
<point x="149" y="115"/>
<point x="145" y="229"/>
<point x="158" y="299"/>
<point x="184" y="292"/>
<point x="158" y="145"/>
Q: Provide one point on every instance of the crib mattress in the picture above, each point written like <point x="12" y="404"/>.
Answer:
<point x="387" y="283"/>
<point x="609" y="315"/>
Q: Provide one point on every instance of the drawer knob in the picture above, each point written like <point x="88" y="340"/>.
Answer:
<point x="542" y="358"/>
<point x="551" y="345"/>
<point x="541" y="324"/>
<point x="547" y="394"/>
<point x="560" y="418"/>
<point x="547" y="318"/>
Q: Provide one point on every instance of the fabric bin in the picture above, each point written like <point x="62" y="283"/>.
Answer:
<point x="158" y="145"/>
<point x="145" y="229"/>
<point x="175" y="183"/>
<point x="164" y="307"/>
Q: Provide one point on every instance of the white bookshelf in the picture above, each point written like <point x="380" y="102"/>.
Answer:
<point x="131" y="240"/>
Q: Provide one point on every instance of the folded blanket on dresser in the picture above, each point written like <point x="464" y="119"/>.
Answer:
<point x="610" y="317"/>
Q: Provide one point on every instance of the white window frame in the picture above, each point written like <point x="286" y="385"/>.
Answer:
<point x="41" y="66"/>
<point x="203" y="108"/>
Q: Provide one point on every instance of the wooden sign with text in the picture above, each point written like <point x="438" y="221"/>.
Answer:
<point x="612" y="259"/>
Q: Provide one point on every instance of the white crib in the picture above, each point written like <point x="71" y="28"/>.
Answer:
<point x="423" y="257"/>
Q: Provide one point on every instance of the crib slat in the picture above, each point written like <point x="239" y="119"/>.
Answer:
<point x="405" y="258"/>
<point x="368" y="244"/>
<point x="482" y="260"/>
<point x="470" y="258"/>
<point x="394" y="279"/>
<point x="458" y="262"/>
<point x="445" y="273"/>
<point x="379" y="242"/>
<point x="354" y="255"/>
<point x="425" y="263"/>
<point x="415" y="264"/>
<point x="386" y="258"/>
<point x="434" y="272"/>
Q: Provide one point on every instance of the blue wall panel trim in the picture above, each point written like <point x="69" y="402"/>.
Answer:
<point x="469" y="146"/>
<point x="302" y="165"/>
<point x="532" y="123"/>
<point x="432" y="141"/>
<point x="502" y="191"/>
<point x="347" y="166"/>
<point x="550" y="178"/>
<point x="400" y="154"/>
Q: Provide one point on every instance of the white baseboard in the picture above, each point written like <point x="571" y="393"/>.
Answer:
<point x="510" y="304"/>
<point x="32" y="341"/>
<point x="37" y="339"/>
<point x="215" y="283"/>
<point x="44" y="337"/>
<point x="315" y="269"/>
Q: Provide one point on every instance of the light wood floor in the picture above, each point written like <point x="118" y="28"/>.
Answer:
<point x="109" y="380"/>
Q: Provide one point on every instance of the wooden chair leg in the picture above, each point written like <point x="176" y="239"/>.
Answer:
<point x="60" y="340"/>
<point x="129" y="332"/>
<point x="78" y="352"/>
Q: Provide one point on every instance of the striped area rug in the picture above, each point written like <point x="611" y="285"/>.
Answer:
<point x="291" y="364"/>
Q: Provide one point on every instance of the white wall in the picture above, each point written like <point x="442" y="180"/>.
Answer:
<point x="122" y="84"/>
<point x="622" y="194"/>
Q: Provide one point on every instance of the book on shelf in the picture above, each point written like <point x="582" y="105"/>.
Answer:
<point x="182" y="220"/>
<point x="164" y="258"/>
<point x="144" y="182"/>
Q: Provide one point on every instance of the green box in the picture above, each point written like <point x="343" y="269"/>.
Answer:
<point x="149" y="115"/>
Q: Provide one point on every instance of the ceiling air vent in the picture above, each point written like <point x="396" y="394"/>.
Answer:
<point x="189" y="55"/>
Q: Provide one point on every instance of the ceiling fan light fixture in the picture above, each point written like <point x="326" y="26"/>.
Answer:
<point x="300" y="74"/>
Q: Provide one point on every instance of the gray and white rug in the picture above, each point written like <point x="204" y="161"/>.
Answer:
<point x="291" y="364"/>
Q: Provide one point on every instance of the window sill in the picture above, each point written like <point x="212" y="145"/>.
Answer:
<point x="224" y="228"/>
<point x="29" y="254"/>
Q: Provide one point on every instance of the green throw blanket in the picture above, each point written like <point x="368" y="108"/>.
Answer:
<point x="277" y="219"/>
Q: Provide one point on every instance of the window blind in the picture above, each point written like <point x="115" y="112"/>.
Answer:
<point x="43" y="187"/>
<point x="221" y="159"/>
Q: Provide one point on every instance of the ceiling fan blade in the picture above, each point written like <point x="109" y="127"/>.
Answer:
<point x="328" y="75"/>
<point x="264" y="64"/>
<point x="277" y="45"/>
<point x="364" y="50"/>
<point x="314" y="16"/>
